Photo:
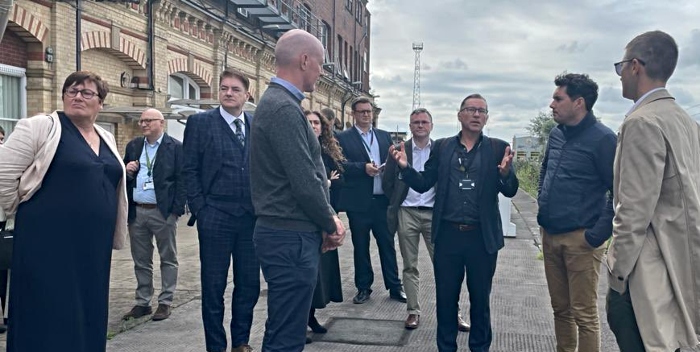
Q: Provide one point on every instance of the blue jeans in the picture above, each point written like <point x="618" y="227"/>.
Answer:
<point x="289" y="262"/>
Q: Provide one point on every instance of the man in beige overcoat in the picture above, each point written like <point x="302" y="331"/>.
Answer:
<point x="654" y="259"/>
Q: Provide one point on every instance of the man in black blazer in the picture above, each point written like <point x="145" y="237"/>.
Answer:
<point x="218" y="191"/>
<point x="362" y="197"/>
<point x="470" y="170"/>
<point x="156" y="194"/>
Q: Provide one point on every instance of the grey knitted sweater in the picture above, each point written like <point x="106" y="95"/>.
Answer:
<point x="287" y="176"/>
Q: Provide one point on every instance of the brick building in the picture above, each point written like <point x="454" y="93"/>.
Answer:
<point x="188" y="44"/>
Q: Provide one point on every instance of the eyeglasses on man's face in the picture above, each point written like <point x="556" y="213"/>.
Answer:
<point x="618" y="65"/>
<point x="85" y="93"/>
<point x="147" y="121"/>
<point x="472" y="110"/>
<point x="363" y="112"/>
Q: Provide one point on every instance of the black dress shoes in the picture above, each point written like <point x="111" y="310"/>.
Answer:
<point x="397" y="294"/>
<point x="362" y="296"/>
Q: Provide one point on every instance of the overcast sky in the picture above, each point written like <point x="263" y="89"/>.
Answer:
<point x="510" y="52"/>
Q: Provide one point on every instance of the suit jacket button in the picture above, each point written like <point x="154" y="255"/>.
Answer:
<point x="620" y="278"/>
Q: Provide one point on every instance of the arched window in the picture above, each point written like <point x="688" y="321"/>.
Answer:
<point x="182" y="87"/>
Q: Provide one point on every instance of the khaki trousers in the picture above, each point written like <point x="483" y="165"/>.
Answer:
<point x="572" y="268"/>
<point x="413" y="223"/>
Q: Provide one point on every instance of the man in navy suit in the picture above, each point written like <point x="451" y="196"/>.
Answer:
<point x="216" y="171"/>
<point x="362" y="197"/>
<point x="470" y="169"/>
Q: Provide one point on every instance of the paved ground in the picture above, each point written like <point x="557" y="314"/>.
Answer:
<point x="521" y="315"/>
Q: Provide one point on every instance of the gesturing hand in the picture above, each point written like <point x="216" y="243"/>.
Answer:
<point x="399" y="155"/>
<point x="504" y="167"/>
<point x="334" y="175"/>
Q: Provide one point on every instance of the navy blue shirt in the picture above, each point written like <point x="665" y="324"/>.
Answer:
<point x="461" y="205"/>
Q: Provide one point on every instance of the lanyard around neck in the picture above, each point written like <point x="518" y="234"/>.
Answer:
<point x="465" y="168"/>
<point x="369" y="147"/>
<point x="149" y="162"/>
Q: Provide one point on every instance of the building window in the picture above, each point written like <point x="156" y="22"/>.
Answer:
<point x="359" y="11"/>
<point x="305" y="19"/>
<point x="325" y="36"/>
<point x="348" y="5"/>
<point x="13" y="96"/>
<point x="182" y="87"/>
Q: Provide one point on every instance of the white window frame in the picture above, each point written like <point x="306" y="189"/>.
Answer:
<point x="188" y="82"/>
<point x="12" y="71"/>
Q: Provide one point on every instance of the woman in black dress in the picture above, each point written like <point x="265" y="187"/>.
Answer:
<point x="328" y="287"/>
<point x="71" y="214"/>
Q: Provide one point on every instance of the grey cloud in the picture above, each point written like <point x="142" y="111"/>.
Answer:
<point x="572" y="48"/>
<point x="690" y="53"/>
<point x="514" y="55"/>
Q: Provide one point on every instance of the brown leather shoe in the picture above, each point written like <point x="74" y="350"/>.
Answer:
<point x="462" y="325"/>
<point x="412" y="321"/>
<point x="138" y="312"/>
<point x="162" y="313"/>
<point x="242" y="348"/>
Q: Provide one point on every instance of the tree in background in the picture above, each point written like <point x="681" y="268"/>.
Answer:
<point x="540" y="126"/>
<point x="529" y="170"/>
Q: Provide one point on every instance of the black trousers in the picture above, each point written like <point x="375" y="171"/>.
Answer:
<point x="455" y="253"/>
<point x="361" y="223"/>
<point x="623" y="322"/>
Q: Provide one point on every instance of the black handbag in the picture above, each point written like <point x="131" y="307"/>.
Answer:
<point x="5" y="247"/>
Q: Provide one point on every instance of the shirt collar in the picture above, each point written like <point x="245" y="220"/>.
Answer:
<point x="639" y="101"/>
<point x="360" y="130"/>
<point x="230" y="118"/>
<point x="427" y="146"/>
<point x="160" y="140"/>
<point x="290" y="87"/>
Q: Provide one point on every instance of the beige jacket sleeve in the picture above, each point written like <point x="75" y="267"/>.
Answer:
<point x="22" y="157"/>
<point x="641" y="160"/>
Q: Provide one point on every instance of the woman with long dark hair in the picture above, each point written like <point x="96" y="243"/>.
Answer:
<point x="328" y="287"/>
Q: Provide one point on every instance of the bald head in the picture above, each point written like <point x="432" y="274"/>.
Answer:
<point x="298" y="57"/>
<point x="152" y="124"/>
<point x="293" y="44"/>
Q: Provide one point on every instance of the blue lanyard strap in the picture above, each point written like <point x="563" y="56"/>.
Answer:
<point x="368" y="147"/>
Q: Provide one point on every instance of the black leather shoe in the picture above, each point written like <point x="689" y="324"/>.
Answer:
<point x="308" y="340"/>
<point x="362" y="296"/>
<point x="397" y="294"/>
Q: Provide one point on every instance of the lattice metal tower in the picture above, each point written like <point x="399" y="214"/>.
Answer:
<point x="417" y="48"/>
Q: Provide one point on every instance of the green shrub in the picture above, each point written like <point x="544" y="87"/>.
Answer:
<point x="528" y="172"/>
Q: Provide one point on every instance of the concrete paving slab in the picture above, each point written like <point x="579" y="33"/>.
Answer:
<point x="521" y="314"/>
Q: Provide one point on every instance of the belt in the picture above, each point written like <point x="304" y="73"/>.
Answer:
<point x="147" y="206"/>
<point x="464" y="227"/>
<point x="420" y="208"/>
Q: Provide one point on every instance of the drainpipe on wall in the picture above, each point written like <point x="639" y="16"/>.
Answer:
<point x="346" y="98"/>
<point x="150" y="74"/>
<point x="78" y="30"/>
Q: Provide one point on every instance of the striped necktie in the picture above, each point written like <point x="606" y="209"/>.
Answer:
<point x="239" y="131"/>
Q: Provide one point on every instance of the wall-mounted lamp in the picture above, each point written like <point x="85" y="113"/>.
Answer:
<point x="48" y="54"/>
<point x="124" y="79"/>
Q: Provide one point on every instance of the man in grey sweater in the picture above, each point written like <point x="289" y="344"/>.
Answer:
<point x="290" y="193"/>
